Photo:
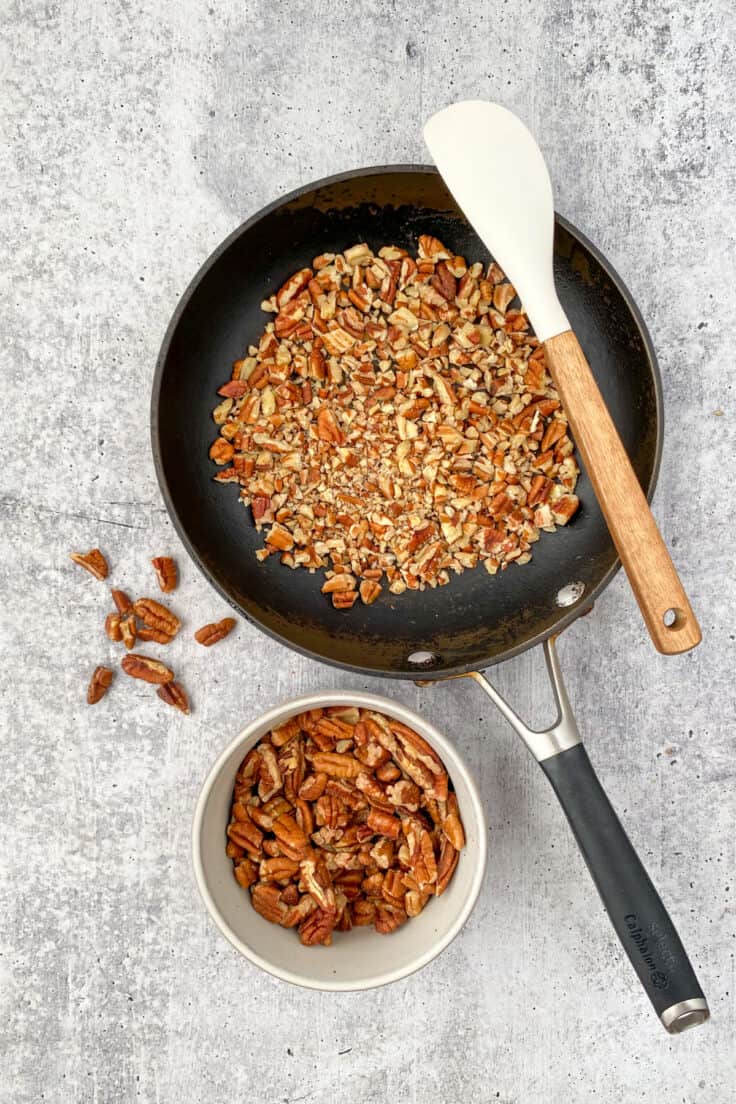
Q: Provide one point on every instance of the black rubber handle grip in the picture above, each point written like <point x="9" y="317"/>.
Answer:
<point x="635" y="910"/>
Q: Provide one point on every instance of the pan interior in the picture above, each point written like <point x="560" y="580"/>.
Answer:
<point x="477" y="619"/>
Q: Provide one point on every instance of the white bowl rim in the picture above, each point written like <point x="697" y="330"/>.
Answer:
<point x="456" y="766"/>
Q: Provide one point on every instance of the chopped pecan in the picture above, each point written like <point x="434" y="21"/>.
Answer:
<point x="99" y="684"/>
<point x="344" y="599"/>
<point x="218" y="630"/>
<point x="369" y="590"/>
<point x="92" y="561"/>
<point x="395" y="422"/>
<point x="221" y="451"/>
<point x="338" y="583"/>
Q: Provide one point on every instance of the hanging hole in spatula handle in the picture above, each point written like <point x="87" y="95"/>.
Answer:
<point x="662" y="600"/>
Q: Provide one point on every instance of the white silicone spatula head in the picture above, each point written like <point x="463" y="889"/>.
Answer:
<point x="496" y="172"/>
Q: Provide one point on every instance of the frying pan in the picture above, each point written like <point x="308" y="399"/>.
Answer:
<point x="476" y="621"/>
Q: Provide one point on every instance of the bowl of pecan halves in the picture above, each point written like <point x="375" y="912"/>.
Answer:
<point x="339" y="842"/>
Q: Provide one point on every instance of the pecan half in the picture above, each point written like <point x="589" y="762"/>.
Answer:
<point x="317" y="928"/>
<point x="335" y="765"/>
<point x="278" y="870"/>
<point x="174" y="694"/>
<point x="165" y="569"/>
<point x="155" y="615"/>
<point x="246" y="873"/>
<point x="389" y="918"/>
<point x="269" y="774"/>
<point x="92" y="561"/>
<point x="145" y="668"/>
<point x="292" y="840"/>
<point x="218" y="630"/>
<point x="267" y="901"/>
<point x="313" y="786"/>
<point x="155" y="636"/>
<point x="247" y="835"/>
<point x="122" y="602"/>
<point x="99" y="684"/>
<point x="452" y="825"/>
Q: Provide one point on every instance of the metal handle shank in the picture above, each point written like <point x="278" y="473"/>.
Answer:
<point x="638" y="916"/>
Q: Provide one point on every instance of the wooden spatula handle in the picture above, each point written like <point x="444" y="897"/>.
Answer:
<point x="638" y="541"/>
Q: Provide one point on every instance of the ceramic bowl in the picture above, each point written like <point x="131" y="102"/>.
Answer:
<point x="361" y="958"/>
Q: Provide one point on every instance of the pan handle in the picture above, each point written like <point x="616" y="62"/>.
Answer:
<point x="639" y="918"/>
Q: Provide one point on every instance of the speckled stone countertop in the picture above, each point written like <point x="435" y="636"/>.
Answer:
<point x="136" y="137"/>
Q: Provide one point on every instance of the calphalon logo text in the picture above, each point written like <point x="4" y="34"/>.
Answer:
<point x="657" y="977"/>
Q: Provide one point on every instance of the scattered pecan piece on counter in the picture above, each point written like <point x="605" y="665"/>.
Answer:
<point x="218" y="630"/>
<point x="126" y="626"/>
<point x="165" y="569"/>
<point x="342" y="817"/>
<point x="155" y="615"/>
<point x="92" y="561"/>
<point x="122" y="602"/>
<point x="156" y="636"/>
<point x="145" y="668"/>
<point x="99" y="684"/>
<point x="128" y="630"/>
<point x="112" y="627"/>
<point x="395" y="424"/>
<point x="175" y="695"/>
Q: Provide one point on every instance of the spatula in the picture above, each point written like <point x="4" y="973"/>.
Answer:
<point x="498" y="176"/>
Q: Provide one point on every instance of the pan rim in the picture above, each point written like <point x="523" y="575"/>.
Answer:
<point x="566" y="618"/>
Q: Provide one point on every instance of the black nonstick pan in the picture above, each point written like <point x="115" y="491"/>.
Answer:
<point x="476" y="621"/>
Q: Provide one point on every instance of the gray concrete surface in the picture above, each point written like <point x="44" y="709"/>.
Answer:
<point x="136" y="136"/>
